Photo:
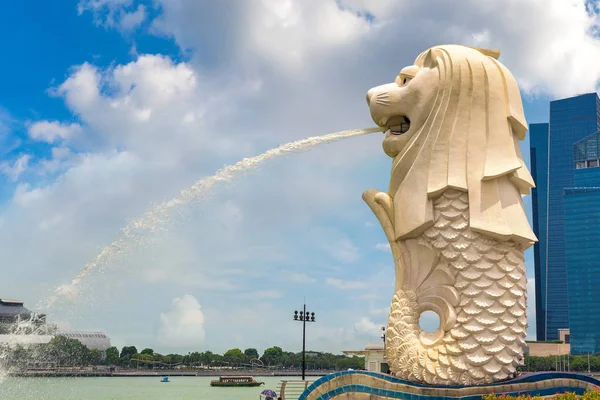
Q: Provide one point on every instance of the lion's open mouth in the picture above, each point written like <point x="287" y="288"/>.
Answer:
<point x="399" y="125"/>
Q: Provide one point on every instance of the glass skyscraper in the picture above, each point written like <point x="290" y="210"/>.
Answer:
<point x="582" y="219"/>
<point x="571" y="120"/>
<point x="538" y="140"/>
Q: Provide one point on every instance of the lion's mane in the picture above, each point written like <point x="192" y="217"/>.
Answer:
<point x="469" y="142"/>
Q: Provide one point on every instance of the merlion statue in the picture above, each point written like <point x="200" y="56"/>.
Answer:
<point x="454" y="216"/>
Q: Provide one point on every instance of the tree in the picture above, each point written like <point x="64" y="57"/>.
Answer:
<point x="147" y="351"/>
<point x="126" y="353"/>
<point x="251" y="353"/>
<point x="112" y="355"/>
<point x="175" y="358"/>
<point x="234" y="357"/>
<point x="194" y="358"/>
<point x="207" y="358"/>
<point x="273" y="356"/>
<point x="143" y="358"/>
<point x="68" y="351"/>
<point x="94" y="357"/>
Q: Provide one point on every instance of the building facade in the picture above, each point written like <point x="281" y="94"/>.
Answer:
<point x="15" y="318"/>
<point x="374" y="354"/>
<point x="538" y="141"/>
<point x="92" y="340"/>
<point x="582" y="238"/>
<point x="21" y="327"/>
<point x="549" y="349"/>
<point x="571" y="120"/>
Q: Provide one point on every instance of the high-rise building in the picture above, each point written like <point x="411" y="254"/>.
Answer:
<point x="571" y="120"/>
<point x="582" y="219"/>
<point x="538" y="140"/>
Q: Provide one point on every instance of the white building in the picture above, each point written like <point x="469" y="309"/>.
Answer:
<point x="374" y="354"/>
<point x="92" y="340"/>
<point x="19" y="326"/>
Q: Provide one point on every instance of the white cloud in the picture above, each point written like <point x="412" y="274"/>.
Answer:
<point x="384" y="247"/>
<point x="297" y="277"/>
<point x="198" y="280"/>
<point x="114" y="13"/>
<point x="368" y="296"/>
<point x="183" y="325"/>
<point x="18" y="167"/>
<point x="289" y="32"/>
<point x="264" y="294"/>
<point x="61" y="158"/>
<point x="553" y="38"/>
<point x="345" y="285"/>
<point x="24" y="195"/>
<point x="131" y="20"/>
<point x="336" y="244"/>
<point x="52" y="131"/>
<point x="380" y="311"/>
<point x="367" y="327"/>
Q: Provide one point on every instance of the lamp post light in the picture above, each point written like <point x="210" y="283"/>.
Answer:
<point x="305" y="317"/>
<point x="383" y="338"/>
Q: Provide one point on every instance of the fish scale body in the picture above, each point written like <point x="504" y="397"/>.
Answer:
<point x="486" y="339"/>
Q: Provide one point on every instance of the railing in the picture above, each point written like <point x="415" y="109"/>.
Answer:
<point x="292" y="389"/>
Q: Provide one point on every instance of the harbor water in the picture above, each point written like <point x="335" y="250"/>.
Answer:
<point x="131" y="388"/>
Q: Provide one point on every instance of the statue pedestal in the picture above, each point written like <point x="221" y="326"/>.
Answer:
<point x="365" y="385"/>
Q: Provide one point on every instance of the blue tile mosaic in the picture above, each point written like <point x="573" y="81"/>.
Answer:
<point x="529" y="378"/>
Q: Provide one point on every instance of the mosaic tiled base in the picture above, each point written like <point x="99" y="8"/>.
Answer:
<point x="364" y="385"/>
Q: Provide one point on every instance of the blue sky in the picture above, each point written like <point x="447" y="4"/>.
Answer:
<point x="111" y="106"/>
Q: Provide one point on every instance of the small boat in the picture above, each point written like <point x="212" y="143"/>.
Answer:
<point x="236" y="381"/>
<point x="165" y="379"/>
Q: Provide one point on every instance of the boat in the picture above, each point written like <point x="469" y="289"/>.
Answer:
<point x="236" y="381"/>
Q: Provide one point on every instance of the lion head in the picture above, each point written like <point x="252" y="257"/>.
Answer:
<point x="454" y="119"/>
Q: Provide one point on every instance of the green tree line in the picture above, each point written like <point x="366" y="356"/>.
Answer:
<point x="562" y="363"/>
<point x="66" y="352"/>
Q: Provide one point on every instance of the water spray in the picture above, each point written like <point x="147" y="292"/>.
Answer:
<point x="137" y="231"/>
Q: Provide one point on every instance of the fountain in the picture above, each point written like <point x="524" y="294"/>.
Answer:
<point x="137" y="232"/>
<point x="457" y="228"/>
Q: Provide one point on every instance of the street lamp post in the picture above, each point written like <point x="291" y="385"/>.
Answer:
<point x="305" y="317"/>
<point x="383" y="338"/>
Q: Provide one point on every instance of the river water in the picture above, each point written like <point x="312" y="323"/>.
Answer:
<point x="130" y="388"/>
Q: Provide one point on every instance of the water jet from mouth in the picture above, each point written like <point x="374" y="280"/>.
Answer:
<point x="137" y="231"/>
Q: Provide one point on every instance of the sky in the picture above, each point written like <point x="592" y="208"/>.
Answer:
<point x="109" y="107"/>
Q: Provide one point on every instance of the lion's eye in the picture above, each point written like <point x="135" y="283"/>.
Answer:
<point x="403" y="80"/>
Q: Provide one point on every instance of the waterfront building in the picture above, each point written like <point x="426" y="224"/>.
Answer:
<point x="16" y="318"/>
<point x="571" y="120"/>
<point x="564" y="157"/>
<point x="20" y="326"/>
<point x="582" y="219"/>
<point x="561" y="347"/>
<point x="538" y="141"/>
<point x="92" y="340"/>
<point x="374" y="354"/>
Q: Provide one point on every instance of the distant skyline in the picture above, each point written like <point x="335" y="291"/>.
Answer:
<point x="108" y="107"/>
